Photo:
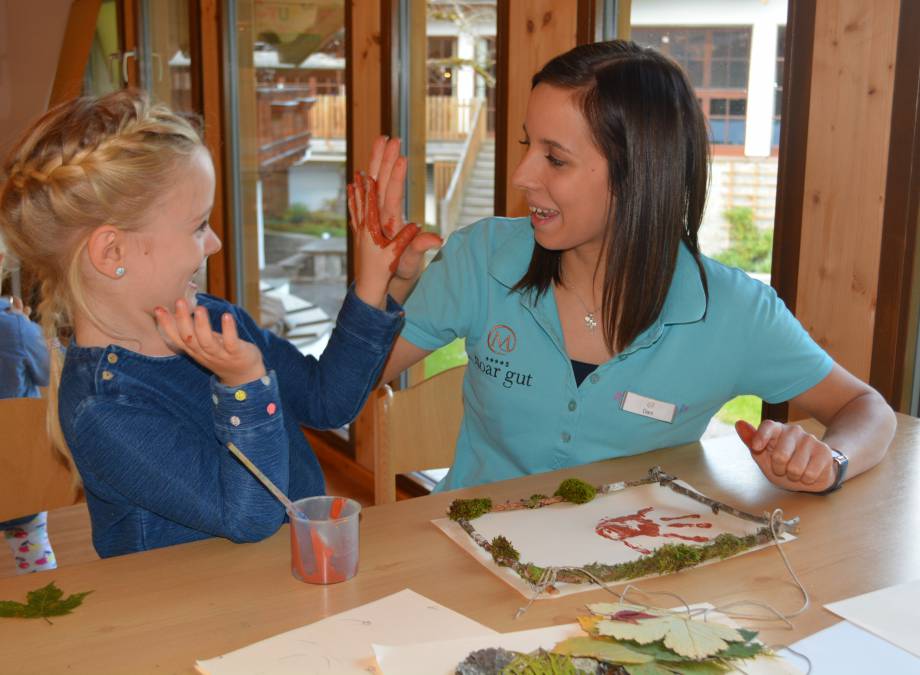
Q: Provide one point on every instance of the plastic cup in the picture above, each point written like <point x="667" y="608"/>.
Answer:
<point x="324" y="545"/>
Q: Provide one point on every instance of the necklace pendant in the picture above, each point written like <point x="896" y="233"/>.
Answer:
<point x="590" y="321"/>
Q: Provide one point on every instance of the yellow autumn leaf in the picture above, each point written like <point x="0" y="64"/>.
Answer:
<point x="589" y="623"/>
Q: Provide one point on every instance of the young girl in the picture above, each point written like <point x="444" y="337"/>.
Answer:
<point x="595" y="328"/>
<point x="107" y="202"/>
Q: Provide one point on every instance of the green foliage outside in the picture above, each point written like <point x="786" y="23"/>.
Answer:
<point x="445" y="358"/>
<point x="300" y="219"/>
<point x="750" y="248"/>
<point x="745" y="408"/>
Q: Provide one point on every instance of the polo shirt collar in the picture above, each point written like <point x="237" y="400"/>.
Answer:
<point x="685" y="302"/>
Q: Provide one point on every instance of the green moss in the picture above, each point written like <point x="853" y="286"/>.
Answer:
<point x="503" y="552"/>
<point x="534" y="501"/>
<point x="542" y="663"/>
<point x="532" y="573"/>
<point x="667" y="559"/>
<point x="576" y="491"/>
<point x="469" y="509"/>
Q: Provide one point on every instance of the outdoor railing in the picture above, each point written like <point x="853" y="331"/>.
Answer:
<point x="449" y="206"/>
<point x="449" y="118"/>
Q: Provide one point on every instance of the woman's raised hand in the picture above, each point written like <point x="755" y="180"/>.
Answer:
<point x="234" y="361"/>
<point x="382" y="216"/>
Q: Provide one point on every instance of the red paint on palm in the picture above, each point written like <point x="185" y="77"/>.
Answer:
<point x="630" y="526"/>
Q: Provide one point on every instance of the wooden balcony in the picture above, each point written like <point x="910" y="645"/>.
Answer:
<point x="449" y="119"/>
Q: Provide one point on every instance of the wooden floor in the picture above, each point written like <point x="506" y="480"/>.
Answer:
<point x="70" y="532"/>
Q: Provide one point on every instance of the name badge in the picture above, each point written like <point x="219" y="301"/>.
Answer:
<point x="648" y="407"/>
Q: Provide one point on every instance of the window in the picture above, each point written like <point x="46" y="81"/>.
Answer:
<point x="442" y="52"/>
<point x="778" y="82"/>
<point x="717" y="61"/>
<point x="289" y="77"/>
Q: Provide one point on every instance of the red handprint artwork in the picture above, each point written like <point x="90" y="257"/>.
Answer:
<point x="624" y="528"/>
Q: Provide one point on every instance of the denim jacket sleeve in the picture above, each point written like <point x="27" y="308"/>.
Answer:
<point x="181" y="472"/>
<point x="329" y="392"/>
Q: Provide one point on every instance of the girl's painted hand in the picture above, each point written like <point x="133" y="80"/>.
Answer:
<point x="789" y="456"/>
<point x="389" y="168"/>
<point x="232" y="360"/>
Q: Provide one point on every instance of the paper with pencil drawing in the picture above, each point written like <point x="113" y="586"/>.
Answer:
<point x="341" y="644"/>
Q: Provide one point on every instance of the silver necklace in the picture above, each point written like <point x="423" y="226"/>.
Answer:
<point x="590" y="321"/>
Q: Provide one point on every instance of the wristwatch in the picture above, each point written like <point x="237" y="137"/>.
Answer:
<point x="841" y="461"/>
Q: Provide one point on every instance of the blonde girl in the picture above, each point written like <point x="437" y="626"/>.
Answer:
<point x="106" y="201"/>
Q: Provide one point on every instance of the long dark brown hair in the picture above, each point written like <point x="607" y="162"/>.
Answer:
<point x="646" y="121"/>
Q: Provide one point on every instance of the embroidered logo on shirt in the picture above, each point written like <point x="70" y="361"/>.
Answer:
<point x="502" y="339"/>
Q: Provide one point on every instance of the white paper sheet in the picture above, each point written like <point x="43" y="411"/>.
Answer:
<point x="891" y="613"/>
<point x="442" y="657"/>
<point x="566" y="534"/>
<point x="341" y="644"/>
<point x="844" y="649"/>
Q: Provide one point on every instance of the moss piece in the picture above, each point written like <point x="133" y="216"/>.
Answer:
<point x="468" y="509"/>
<point x="534" y="501"/>
<point x="576" y="491"/>
<point x="503" y="552"/>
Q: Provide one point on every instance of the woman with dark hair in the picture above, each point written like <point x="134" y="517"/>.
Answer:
<point x="596" y="329"/>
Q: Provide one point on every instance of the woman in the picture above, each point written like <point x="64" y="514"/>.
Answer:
<point x="597" y="329"/>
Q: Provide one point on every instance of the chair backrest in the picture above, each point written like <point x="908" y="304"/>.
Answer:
<point x="417" y="429"/>
<point x="33" y="475"/>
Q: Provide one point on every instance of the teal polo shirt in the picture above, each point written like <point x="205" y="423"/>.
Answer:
<point x="524" y="413"/>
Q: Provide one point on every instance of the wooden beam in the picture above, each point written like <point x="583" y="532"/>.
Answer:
<point x="531" y="32"/>
<point x="208" y="53"/>
<point x="74" y="54"/>
<point x="365" y="64"/>
<point x="895" y="331"/>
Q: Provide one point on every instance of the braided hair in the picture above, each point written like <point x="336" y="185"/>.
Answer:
<point x="85" y="163"/>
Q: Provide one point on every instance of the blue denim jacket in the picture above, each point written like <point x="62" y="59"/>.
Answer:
<point x="23" y="355"/>
<point x="149" y="434"/>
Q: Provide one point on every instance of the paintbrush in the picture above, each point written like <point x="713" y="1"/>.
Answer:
<point x="266" y="481"/>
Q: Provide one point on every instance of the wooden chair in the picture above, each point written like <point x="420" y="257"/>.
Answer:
<point x="416" y="429"/>
<point x="33" y="475"/>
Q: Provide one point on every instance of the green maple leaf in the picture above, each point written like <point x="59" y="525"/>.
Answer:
<point x="607" y="651"/>
<point x="42" y="603"/>
<point x="682" y="668"/>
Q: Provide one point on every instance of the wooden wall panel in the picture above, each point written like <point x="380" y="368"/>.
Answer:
<point x="531" y="32"/>
<point x="842" y="213"/>
<point x="366" y="106"/>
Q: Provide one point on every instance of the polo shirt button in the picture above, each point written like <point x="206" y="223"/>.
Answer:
<point x="572" y="405"/>
<point x="595" y="378"/>
<point x="107" y="375"/>
<point x="566" y="437"/>
<point x="112" y="358"/>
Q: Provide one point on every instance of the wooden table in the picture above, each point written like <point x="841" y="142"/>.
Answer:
<point x="161" y="610"/>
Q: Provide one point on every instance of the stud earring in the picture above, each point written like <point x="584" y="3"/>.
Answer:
<point x="119" y="271"/>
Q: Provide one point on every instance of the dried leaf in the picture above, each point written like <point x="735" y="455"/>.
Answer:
<point x="609" y="609"/>
<point x="602" y="650"/>
<point x="631" y="616"/>
<point x="42" y="603"/>
<point x="687" y="637"/>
